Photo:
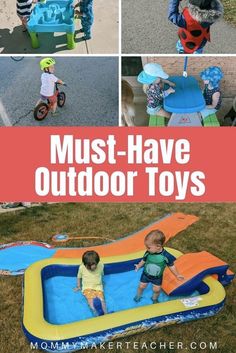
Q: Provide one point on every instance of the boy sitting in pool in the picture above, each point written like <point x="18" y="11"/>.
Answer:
<point x="153" y="78"/>
<point x="211" y="77"/>
<point x="89" y="280"/>
<point x="155" y="259"/>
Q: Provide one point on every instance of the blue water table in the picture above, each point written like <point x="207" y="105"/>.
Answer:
<point x="52" y="16"/>
<point x="186" y="103"/>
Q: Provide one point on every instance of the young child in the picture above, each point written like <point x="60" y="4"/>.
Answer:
<point x="89" y="280"/>
<point x="86" y="14"/>
<point x="48" y="80"/>
<point x="24" y="9"/>
<point x="155" y="259"/>
<point x="153" y="78"/>
<point x="212" y="94"/>
<point x="194" y="23"/>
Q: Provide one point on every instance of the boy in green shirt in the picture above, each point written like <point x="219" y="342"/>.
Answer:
<point x="155" y="259"/>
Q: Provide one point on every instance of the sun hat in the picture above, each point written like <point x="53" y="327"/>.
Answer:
<point x="214" y="74"/>
<point x="151" y="72"/>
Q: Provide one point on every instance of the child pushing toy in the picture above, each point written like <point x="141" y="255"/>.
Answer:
<point x="153" y="78"/>
<point x="212" y="94"/>
<point x="48" y="80"/>
<point x="155" y="259"/>
<point x="194" y="23"/>
<point x="89" y="280"/>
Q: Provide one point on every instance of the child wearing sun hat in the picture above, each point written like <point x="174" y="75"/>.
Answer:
<point x="153" y="78"/>
<point x="211" y="77"/>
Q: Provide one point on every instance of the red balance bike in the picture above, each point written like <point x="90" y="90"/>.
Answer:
<point x="44" y="106"/>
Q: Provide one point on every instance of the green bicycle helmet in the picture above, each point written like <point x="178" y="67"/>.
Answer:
<point x="46" y="62"/>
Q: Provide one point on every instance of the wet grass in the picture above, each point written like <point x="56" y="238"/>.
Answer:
<point x="214" y="232"/>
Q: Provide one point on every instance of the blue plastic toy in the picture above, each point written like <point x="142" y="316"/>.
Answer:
<point x="52" y="16"/>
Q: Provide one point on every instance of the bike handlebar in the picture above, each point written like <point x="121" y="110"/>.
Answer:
<point x="62" y="84"/>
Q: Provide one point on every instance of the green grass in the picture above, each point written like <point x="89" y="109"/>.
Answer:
<point x="230" y="11"/>
<point x="214" y="232"/>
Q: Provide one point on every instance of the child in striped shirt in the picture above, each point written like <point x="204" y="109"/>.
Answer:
<point x="24" y="9"/>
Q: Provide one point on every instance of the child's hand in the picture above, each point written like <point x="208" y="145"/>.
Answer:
<point x="136" y="267"/>
<point x="180" y="277"/>
<point x="76" y="289"/>
<point x="171" y="84"/>
<point x="170" y="90"/>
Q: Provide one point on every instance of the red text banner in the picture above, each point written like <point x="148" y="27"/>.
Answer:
<point x="80" y="164"/>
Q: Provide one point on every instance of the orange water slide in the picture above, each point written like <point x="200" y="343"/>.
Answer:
<point x="170" y="225"/>
<point x="190" y="265"/>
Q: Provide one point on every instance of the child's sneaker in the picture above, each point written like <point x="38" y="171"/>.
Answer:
<point x="87" y="37"/>
<point x="54" y="113"/>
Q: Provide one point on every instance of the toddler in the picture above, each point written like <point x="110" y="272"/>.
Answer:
<point x="86" y="14"/>
<point x="212" y="94"/>
<point x="24" y="9"/>
<point x="155" y="259"/>
<point x="48" y="80"/>
<point x="153" y="79"/>
<point x="194" y="23"/>
<point x="89" y="280"/>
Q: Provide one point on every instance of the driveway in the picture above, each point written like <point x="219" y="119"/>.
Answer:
<point x="92" y="92"/>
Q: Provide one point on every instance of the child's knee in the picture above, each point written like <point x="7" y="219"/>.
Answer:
<point x="156" y="289"/>
<point x="142" y="285"/>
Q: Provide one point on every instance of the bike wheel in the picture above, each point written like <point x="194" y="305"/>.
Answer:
<point x="61" y="99"/>
<point x="17" y="58"/>
<point x="41" y="111"/>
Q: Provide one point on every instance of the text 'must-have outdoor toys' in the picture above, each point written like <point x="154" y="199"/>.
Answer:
<point x="57" y="319"/>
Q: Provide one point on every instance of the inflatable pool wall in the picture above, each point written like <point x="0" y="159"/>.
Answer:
<point x="93" y="331"/>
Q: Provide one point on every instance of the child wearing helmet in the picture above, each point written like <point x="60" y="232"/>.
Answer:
<point x="194" y="23"/>
<point x="48" y="80"/>
<point x="153" y="78"/>
<point x="85" y="12"/>
<point x="23" y="10"/>
<point x="212" y="94"/>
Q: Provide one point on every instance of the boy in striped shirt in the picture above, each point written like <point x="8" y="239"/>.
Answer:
<point x="24" y="9"/>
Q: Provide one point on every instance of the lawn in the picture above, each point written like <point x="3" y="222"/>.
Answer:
<point x="214" y="232"/>
<point x="230" y="11"/>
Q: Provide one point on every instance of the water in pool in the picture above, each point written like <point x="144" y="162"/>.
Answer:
<point x="62" y="305"/>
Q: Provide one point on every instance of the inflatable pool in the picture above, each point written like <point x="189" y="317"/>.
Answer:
<point x="57" y="319"/>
